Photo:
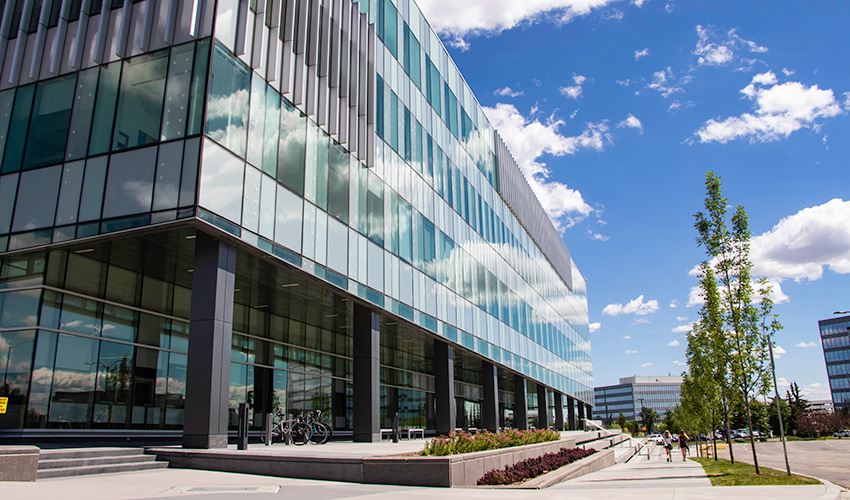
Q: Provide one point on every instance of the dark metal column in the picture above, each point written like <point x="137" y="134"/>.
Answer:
<point x="542" y="407"/>
<point x="581" y="415"/>
<point x="210" y="337"/>
<point x="559" y="411"/>
<point x="520" y="403"/>
<point x="490" y="405"/>
<point x="589" y="412"/>
<point x="571" y="413"/>
<point x="367" y="381"/>
<point x="444" y="387"/>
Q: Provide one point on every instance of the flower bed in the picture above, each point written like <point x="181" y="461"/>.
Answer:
<point x="533" y="467"/>
<point x="464" y="442"/>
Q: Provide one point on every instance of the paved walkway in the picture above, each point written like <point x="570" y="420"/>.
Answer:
<point x="648" y="479"/>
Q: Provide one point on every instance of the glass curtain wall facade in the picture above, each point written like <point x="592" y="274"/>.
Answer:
<point x="835" y="338"/>
<point x="661" y="394"/>
<point x="336" y="147"/>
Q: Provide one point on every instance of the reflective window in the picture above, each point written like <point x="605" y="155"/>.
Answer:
<point x="104" y="108"/>
<point x="49" y="123"/>
<point x="167" y="184"/>
<point x="38" y="193"/>
<point x="93" y="182"/>
<point x="177" y="92"/>
<point x="73" y="382"/>
<point x="221" y="182"/>
<point x="251" y="207"/>
<point x="17" y="138"/>
<point x="199" y="83"/>
<point x="337" y="246"/>
<point x="293" y="144"/>
<point x="338" y="183"/>
<point x="69" y="194"/>
<point x="227" y="108"/>
<point x="7" y="98"/>
<point x="140" y="103"/>
<point x="287" y="231"/>
<point x="271" y="140"/>
<point x="81" y="116"/>
<point x="8" y="187"/>
<point x="258" y="120"/>
<point x="129" y="185"/>
<point x="375" y="209"/>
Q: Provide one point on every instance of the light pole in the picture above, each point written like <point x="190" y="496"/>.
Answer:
<point x="778" y="407"/>
<point x="9" y="356"/>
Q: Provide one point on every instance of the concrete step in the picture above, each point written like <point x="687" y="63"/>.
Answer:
<point x="67" y="453"/>
<point x="100" y="469"/>
<point x="60" y="463"/>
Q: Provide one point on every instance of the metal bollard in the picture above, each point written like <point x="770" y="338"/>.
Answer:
<point x="242" y="433"/>
<point x="396" y="431"/>
<point x="267" y="427"/>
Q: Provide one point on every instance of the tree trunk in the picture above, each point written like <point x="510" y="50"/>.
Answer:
<point x="752" y="439"/>
<point x="729" y="439"/>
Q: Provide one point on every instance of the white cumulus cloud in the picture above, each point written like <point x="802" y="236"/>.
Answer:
<point x="529" y="139"/>
<point x="636" y="306"/>
<point x="779" y="111"/>
<point x="626" y="337"/>
<point x="673" y="343"/>
<point x="631" y="122"/>
<point x="508" y="92"/>
<point x="718" y="48"/>
<point x="645" y="365"/>
<point x="573" y="91"/>
<point x="679" y="363"/>
<point x="800" y="246"/>
<point x="594" y="326"/>
<point x="631" y="352"/>
<point x="641" y="53"/>
<point x="805" y="344"/>
<point x="474" y="17"/>
<point x="683" y="328"/>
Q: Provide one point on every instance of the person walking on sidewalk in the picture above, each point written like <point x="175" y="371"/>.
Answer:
<point x="668" y="445"/>
<point x="683" y="443"/>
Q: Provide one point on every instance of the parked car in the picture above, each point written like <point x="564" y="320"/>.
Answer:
<point x="656" y="437"/>
<point x="842" y="433"/>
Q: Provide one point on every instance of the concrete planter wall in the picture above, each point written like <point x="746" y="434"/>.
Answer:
<point x="18" y="463"/>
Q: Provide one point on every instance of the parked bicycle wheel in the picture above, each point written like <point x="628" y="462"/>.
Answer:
<point x="300" y="433"/>
<point x="320" y="433"/>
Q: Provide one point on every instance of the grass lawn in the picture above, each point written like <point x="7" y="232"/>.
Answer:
<point x="724" y="473"/>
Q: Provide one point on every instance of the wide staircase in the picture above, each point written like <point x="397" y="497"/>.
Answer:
<point x="79" y="461"/>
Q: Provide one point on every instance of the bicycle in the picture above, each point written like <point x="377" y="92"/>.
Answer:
<point x="294" y="431"/>
<point x="320" y="432"/>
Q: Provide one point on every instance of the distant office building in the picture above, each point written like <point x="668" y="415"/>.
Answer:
<point x="295" y="202"/>
<point x="661" y="394"/>
<point x="835" y="338"/>
<point x="821" y="406"/>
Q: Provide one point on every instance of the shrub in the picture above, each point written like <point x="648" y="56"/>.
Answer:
<point x="534" y="467"/>
<point x="464" y="442"/>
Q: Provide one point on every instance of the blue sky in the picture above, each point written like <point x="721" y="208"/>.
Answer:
<point x="616" y="109"/>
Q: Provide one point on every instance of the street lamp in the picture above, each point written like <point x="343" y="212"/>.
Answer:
<point x="9" y="356"/>
<point x="778" y="407"/>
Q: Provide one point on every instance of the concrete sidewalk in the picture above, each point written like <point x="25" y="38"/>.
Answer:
<point x="649" y="479"/>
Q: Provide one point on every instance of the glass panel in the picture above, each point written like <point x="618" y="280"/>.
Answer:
<point x="81" y="116"/>
<point x="80" y="316"/>
<point x="150" y="368"/>
<point x="8" y="187"/>
<point x="19" y="308"/>
<point x="199" y="82"/>
<point x="267" y="204"/>
<point x="257" y="122"/>
<point x="405" y="231"/>
<point x="129" y="186"/>
<point x="221" y="182"/>
<point x="375" y="209"/>
<point x="337" y="246"/>
<point x="177" y="92"/>
<point x="104" y="108"/>
<point x="251" y="207"/>
<point x="227" y="109"/>
<point x="50" y="121"/>
<point x="40" y="387"/>
<point x="391" y="27"/>
<point x="7" y="98"/>
<point x="322" y="170"/>
<point x="289" y="216"/>
<point x="167" y="186"/>
<point x="93" y="182"/>
<point x="311" y="162"/>
<point x="69" y="194"/>
<point x="338" y="183"/>
<point x="189" y="176"/>
<point x="140" y="104"/>
<point x="112" y="392"/>
<point x="74" y="379"/>
<point x="175" y="395"/>
<point x="293" y="138"/>
<point x="272" y="132"/>
<point x="18" y="129"/>
<point x="38" y="193"/>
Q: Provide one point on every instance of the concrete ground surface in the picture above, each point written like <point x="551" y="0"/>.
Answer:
<point x="652" y="479"/>
<point x="826" y="459"/>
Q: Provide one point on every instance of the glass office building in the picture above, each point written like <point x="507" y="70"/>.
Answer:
<point x="835" y="338"/>
<point x="661" y="394"/>
<point x="295" y="202"/>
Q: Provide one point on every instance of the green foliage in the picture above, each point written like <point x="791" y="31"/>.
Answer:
<point x="648" y="418"/>
<point x="623" y="422"/>
<point x="728" y="352"/>
<point x="464" y="442"/>
<point x="724" y="473"/>
<point x="798" y="408"/>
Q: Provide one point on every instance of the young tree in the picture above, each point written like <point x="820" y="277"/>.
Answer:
<point x="648" y="417"/>
<point x="623" y="422"/>
<point x="798" y="407"/>
<point x="745" y="327"/>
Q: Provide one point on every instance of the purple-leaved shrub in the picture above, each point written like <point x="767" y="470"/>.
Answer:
<point x="534" y="467"/>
